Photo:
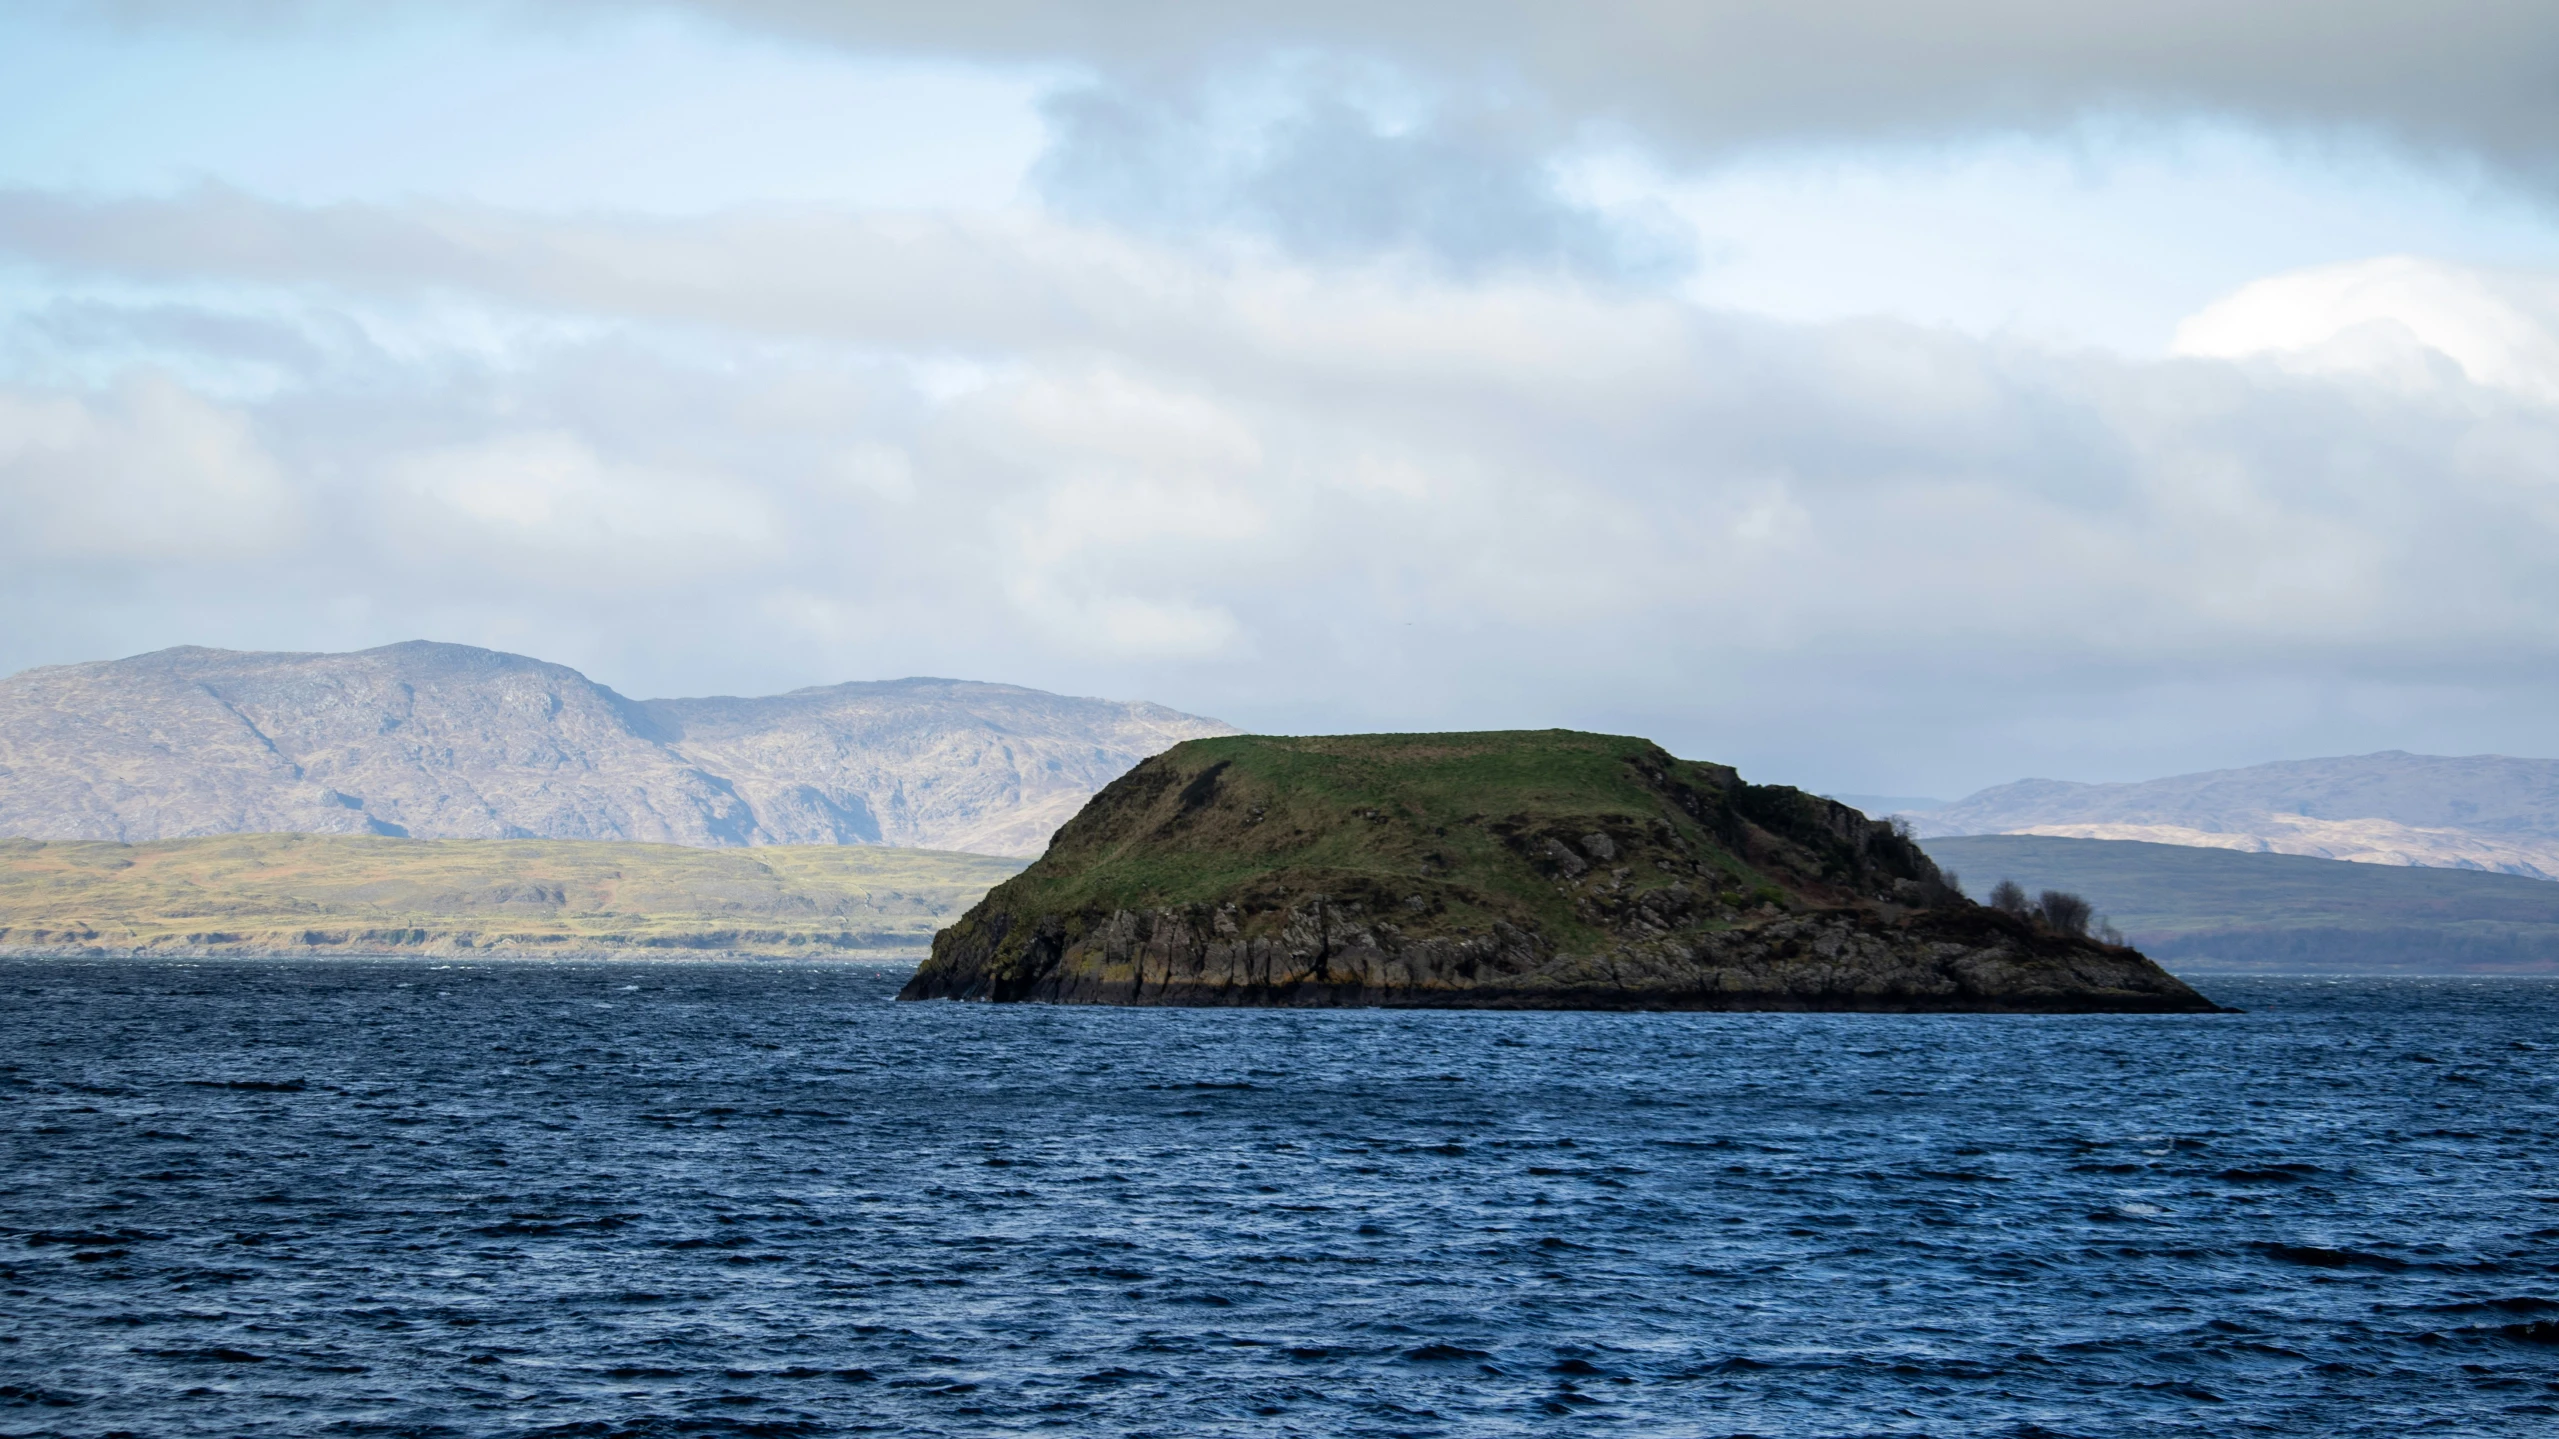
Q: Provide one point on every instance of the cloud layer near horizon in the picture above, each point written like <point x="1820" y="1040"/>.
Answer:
<point x="1327" y="496"/>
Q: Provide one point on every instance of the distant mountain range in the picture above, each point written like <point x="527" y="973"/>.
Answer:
<point x="451" y="742"/>
<point x="2485" y="812"/>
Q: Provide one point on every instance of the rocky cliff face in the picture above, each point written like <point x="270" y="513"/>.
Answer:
<point x="942" y="763"/>
<point x="1547" y="870"/>
<point x="448" y="741"/>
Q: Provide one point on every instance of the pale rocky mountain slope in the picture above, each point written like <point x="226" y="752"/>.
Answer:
<point x="945" y="764"/>
<point x="447" y="741"/>
<point x="2487" y="812"/>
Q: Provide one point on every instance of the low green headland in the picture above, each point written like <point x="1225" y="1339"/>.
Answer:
<point x="364" y="894"/>
<point x="1549" y="869"/>
<point x="2229" y="910"/>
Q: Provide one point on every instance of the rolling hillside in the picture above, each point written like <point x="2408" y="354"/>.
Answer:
<point x="2204" y="909"/>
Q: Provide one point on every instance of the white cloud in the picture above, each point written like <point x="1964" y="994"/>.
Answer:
<point x="1112" y="420"/>
<point x="1373" y="495"/>
<point x="2397" y="317"/>
<point x="146" y="472"/>
<point x="547" y="504"/>
<point x="881" y="470"/>
<point x="1131" y="497"/>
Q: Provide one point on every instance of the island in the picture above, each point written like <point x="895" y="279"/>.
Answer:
<point x="1546" y="869"/>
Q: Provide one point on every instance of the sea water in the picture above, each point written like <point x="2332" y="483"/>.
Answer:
<point x="400" y="1198"/>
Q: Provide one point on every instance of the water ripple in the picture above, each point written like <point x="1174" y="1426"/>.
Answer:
<point x="629" y="1200"/>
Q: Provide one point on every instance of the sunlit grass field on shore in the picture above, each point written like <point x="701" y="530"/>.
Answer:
<point x="354" y="894"/>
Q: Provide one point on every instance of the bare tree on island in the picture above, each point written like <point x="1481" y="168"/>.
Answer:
<point x="2064" y="912"/>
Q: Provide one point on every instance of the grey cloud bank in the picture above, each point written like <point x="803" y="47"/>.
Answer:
<point x="758" y="451"/>
<point x="1701" y="76"/>
<point x="1325" y="179"/>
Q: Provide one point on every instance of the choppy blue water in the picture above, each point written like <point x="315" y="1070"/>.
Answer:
<point x="396" y="1198"/>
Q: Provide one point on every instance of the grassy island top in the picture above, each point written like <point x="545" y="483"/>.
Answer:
<point x="1454" y="828"/>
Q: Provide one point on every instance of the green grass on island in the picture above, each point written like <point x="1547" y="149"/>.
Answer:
<point x="354" y="894"/>
<point x="1375" y="816"/>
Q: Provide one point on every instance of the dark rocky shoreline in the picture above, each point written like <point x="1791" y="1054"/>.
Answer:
<point x="1985" y="963"/>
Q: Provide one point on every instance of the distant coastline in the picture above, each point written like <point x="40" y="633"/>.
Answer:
<point x="2222" y="911"/>
<point x="283" y="895"/>
<point x="2472" y="812"/>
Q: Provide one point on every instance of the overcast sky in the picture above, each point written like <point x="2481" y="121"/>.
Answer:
<point x="1884" y="397"/>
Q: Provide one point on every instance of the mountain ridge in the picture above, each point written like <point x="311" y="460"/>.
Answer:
<point x="2487" y="812"/>
<point x="427" y="739"/>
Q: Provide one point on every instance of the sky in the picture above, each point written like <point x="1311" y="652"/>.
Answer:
<point x="1884" y="398"/>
